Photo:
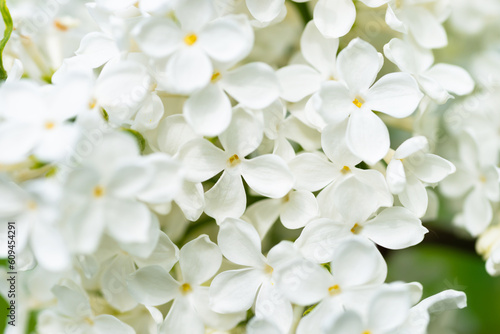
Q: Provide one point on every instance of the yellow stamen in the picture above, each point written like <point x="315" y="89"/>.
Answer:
<point x="60" y="26"/>
<point x="31" y="205"/>
<point x="49" y="125"/>
<point x="345" y="170"/>
<point x="334" y="290"/>
<point x="92" y="103"/>
<point x="358" y="102"/>
<point x="98" y="191"/>
<point x="356" y="228"/>
<point x="185" y="288"/>
<point x="89" y="321"/>
<point x="367" y="332"/>
<point x="215" y="76"/>
<point x="234" y="160"/>
<point x="268" y="269"/>
<point x="482" y="178"/>
<point x="190" y="39"/>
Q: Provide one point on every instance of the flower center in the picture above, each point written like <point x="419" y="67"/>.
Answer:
<point x="366" y="332"/>
<point x="31" y="205"/>
<point x="356" y="229"/>
<point x="358" y="101"/>
<point x="185" y="288"/>
<point x="215" y="76"/>
<point x="190" y="39"/>
<point x="49" y="125"/>
<point x="334" y="290"/>
<point x="268" y="269"/>
<point x="345" y="170"/>
<point x="234" y="160"/>
<point x="98" y="191"/>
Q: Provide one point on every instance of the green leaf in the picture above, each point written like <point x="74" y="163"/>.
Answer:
<point x="7" y="19"/>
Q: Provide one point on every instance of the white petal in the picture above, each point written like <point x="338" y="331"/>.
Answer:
<point x="453" y="78"/>
<point x="243" y="135"/>
<point x="129" y="179"/>
<point x="189" y="69"/>
<point x="208" y="111"/>
<point x="298" y="81"/>
<point x="182" y="319"/>
<point x="49" y="247"/>
<point x="226" y="198"/>
<point x="319" y="239"/>
<point x="432" y="169"/>
<point x="312" y="172"/>
<point x="254" y="85"/>
<point x="425" y="28"/>
<point x="127" y="220"/>
<point x="199" y="259"/>
<point x="411" y="146"/>
<point x="265" y="10"/>
<point x="396" y="176"/>
<point x="24" y="135"/>
<point x="107" y="324"/>
<point x="150" y="114"/>
<point x="303" y="282"/>
<point x="319" y="51"/>
<point x="193" y="20"/>
<point x="414" y="196"/>
<point x="240" y="243"/>
<point x="114" y="285"/>
<point x="165" y="254"/>
<point x="191" y="200"/>
<point x="333" y="142"/>
<point x="152" y="285"/>
<point x="158" y="37"/>
<point x="167" y="181"/>
<point x="389" y="308"/>
<point x="268" y="175"/>
<point x="367" y="136"/>
<point x="419" y="316"/>
<point x="374" y="3"/>
<point x="346" y="323"/>
<point x="433" y="89"/>
<point x="201" y="159"/>
<point x="300" y="209"/>
<point x="225" y="39"/>
<point x="334" y="18"/>
<point x="201" y="301"/>
<point x="357" y="262"/>
<point x="395" y="94"/>
<point x="173" y="132"/>
<point x="272" y="305"/>
<point x="408" y="57"/>
<point x="477" y="212"/>
<point x="334" y="102"/>
<point x="97" y="48"/>
<point x="358" y="65"/>
<point x="234" y="290"/>
<point x="393" y="21"/>
<point x="263" y="214"/>
<point x="395" y="228"/>
<point x="457" y="183"/>
<point x="296" y="130"/>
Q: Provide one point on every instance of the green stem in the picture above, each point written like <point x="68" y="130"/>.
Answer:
<point x="7" y="19"/>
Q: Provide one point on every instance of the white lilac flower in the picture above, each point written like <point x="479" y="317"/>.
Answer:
<point x="479" y="181"/>
<point x="152" y="285"/>
<point x="266" y="174"/>
<point x="410" y="168"/>
<point x="357" y="267"/>
<point x="74" y="312"/>
<point x="195" y="44"/>
<point x="237" y="290"/>
<point x="422" y="20"/>
<point x="437" y="81"/>
<point x="357" y="96"/>
<point x="37" y="118"/>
